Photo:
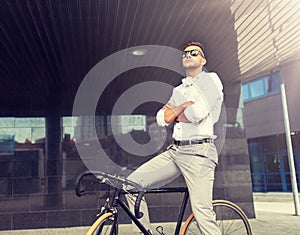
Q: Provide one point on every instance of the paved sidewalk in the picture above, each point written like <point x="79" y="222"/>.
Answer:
<point x="274" y="216"/>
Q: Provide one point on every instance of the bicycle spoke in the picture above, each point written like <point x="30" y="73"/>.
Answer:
<point x="230" y="219"/>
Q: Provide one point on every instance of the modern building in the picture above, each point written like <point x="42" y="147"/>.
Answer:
<point x="129" y="49"/>
<point x="265" y="131"/>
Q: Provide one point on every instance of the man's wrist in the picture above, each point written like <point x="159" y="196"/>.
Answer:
<point x="172" y="112"/>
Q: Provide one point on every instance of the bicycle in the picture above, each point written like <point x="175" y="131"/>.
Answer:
<point x="230" y="217"/>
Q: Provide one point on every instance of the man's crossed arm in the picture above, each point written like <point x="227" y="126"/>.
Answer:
<point x="176" y="112"/>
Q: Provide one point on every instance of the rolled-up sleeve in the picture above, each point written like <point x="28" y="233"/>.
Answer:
<point x="160" y="115"/>
<point x="160" y="118"/>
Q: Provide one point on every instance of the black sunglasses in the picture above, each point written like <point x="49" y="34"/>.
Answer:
<point x="193" y="52"/>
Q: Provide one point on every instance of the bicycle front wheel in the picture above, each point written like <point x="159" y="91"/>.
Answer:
<point x="230" y="218"/>
<point x="104" y="225"/>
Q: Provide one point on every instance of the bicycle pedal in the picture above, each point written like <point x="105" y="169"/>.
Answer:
<point x="160" y="230"/>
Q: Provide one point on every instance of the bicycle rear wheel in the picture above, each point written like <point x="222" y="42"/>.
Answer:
<point x="106" y="224"/>
<point x="230" y="218"/>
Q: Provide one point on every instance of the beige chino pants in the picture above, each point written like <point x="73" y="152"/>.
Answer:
<point x="193" y="162"/>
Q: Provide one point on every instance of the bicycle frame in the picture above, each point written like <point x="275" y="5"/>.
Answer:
<point x="117" y="201"/>
<point x="237" y="219"/>
<point x="134" y="216"/>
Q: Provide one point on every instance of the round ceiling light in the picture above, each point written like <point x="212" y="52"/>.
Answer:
<point x="139" y="52"/>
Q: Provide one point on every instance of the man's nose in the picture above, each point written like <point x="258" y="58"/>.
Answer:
<point x="188" y="54"/>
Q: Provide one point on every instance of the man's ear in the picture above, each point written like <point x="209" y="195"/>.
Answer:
<point x="203" y="61"/>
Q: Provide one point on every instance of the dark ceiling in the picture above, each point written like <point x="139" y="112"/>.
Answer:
<point x="48" y="46"/>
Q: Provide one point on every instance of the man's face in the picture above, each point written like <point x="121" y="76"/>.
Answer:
<point x="191" y="60"/>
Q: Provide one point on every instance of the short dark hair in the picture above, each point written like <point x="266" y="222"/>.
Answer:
<point x="194" y="43"/>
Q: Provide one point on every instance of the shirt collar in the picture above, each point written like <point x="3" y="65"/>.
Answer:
<point x="188" y="81"/>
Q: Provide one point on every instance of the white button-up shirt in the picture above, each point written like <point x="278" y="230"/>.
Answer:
<point x="206" y="91"/>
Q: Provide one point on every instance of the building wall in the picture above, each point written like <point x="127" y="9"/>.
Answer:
<point x="264" y="116"/>
<point x="47" y="199"/>
<point x="258" y="113"/>
<point x="291" y="77"/>
<point x="265" y="133"/>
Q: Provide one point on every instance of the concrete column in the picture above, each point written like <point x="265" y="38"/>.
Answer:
<point x="54" y="161"/>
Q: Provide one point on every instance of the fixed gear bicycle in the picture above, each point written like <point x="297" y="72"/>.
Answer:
<point x="230" y="217"/>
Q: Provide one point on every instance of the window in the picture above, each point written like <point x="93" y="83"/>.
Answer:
<point x="83" y="127"/>
<point x="260" y="87"/>
<point x="269" y="163"/>
<point x="127" y="123"/>
<point x="245" y="92"/>
<point x="22" y="130"/>
<point x="257" y="88"/>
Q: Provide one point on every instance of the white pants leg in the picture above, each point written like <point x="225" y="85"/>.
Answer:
<point x="153" y="174"/>
<point x="198" y="171"/>
<point x="199" y="178"/>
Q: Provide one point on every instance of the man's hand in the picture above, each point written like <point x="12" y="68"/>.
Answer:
<point x="176" y="112"/>
<point x="170" y="113"/>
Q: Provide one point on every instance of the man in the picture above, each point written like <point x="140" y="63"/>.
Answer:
<point x="195" y="107"/>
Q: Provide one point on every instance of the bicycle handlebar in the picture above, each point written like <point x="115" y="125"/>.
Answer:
<point x="114" y="180"/>
<point x="105" y="178"/>
<point x="78" y="190"/>
<point x="137" y="204"/>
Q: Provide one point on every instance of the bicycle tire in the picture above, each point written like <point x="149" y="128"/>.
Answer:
<point x="104" y="225"/>
<point x="231" y="219"/>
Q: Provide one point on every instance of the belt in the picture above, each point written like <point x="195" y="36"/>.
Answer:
<point x="190" y="142"/>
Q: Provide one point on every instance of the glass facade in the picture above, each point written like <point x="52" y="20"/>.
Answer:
<point x="22" y="155"/>
<point x="269" y="163"/>
<point x="268" y="154"/>
<point x="81" y="130"/>
<point x="39" y="163"/>
<point x="24" y="130"/>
